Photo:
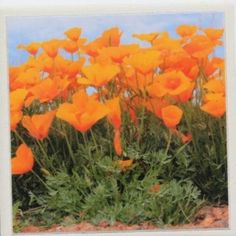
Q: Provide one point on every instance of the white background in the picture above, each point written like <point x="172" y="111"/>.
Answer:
<point x="4" y="4"/>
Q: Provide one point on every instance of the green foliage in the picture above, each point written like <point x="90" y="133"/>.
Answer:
<point x="208" y="154"/>
<point x="78" y="175"/>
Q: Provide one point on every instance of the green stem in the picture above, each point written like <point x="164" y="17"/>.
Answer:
<point x="19" y="137"/>
<point x="168" y="143"/>
<point x="68" y="145"/>
<point x="109" y="135"/>
<point x="76" y="137"/>
<point x="40" y="179"/>
<point x="188" y="122"/>
<point x="94" y="140"/>
<point x="51" y="144"/>
<point x="44" y="153"/>
<point x="42" y="148"/>
<point x="212" y="138"/>
<point x="85" y="138"/>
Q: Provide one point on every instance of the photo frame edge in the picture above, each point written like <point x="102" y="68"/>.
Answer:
<point x="6" y="199"/>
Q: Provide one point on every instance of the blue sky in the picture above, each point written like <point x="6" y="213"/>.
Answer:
<point x="25" y="29"/>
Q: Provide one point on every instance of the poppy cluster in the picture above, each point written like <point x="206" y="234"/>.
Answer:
<point x="81" y="82"/>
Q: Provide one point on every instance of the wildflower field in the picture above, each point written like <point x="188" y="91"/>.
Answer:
<point x="108" y="132"/>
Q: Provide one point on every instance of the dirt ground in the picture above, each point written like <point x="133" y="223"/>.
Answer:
<point x="207" y="217"/>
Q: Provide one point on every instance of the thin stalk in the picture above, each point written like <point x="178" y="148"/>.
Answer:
<point x="19" y="137"/>
<point x="94" y="140"/>
<point x="188" y="122"/>
<point x="213" y="140"/>
<point x="40" y="179"/>
<point x="61" y="125"/>
<point x="85" y="138"/>
<point x="44" y="153"/>
<point x="42" y="148"/>
<point x="69" y="146"/>
<point x="76" y="137"/>
<point x="109" y="135"/>
<point x="168" y="142"/>
<point x="51" y="144"/>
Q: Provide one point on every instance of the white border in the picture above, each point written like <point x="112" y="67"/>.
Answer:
<point x="81" y="8"/>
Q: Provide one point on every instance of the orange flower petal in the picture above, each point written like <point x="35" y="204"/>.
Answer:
<point x="99" y="75"/>
<point x="73" y="33"/>
<point x="125" y="164"/>
<point x="15" y="118"/>
<point x="23" y="162"/>
<point x="146" y="37"/>
<point x="144" y="61"/>
<point x="174" y="82"/>
<point x="216" y="106"/>
<point x="171" y="115"/>
<point x="38" y="125"/>
<point x="117" y="143"/>
<point x="186" y="30"/>
<point x="114" y="115"/>
<point x="17" y="98"/>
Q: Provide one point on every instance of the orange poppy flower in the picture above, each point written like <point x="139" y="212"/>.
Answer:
<point x="23" y="162"/>
<point x="117" y="142"/>
<point x="114" y="116"/>
<point x="111" y="37"/>
<point x="46" y="63"/>
<point x="15" y="118"/>
<point x="48" y="89"/>
<point x="73" y="33"/>
<point x="215" y="86"/>
<point x="214" y="65"/>
<point x="146" y="37"/>
<point x="60" y="65"/>
<point x="186" y="95"/>
<point x="31" y="48"/>
<point x="171" y="115"/>
<point x="155" y="106"/>
<point x="75" y="67"/>
<point x="125" y="164"/>
<point x="215" y="105"/>
<point x="172" y="83"/>
<point x="199" y="47"/>
<point x="214" y="35"/>
<point x="13" y="73"/>
<point x="70" y="46"/>
<point x="28" y="78"/>
<point x="167" y="45"/>
<point x="17" y="98"/>
<point x="117" y="54"/>
<point x="136" y="81"/>
<point x="98" y="75"/>
<point x="144" y="61"/>
<point x="38" y="125"/>
<point x="92" y="48"/>
<point x="186" y="30"/>
<point x="155" y="90"/>
<point x="51" y="47"/>
<point x="83" y="112"/>
<point x="181" y="61"/>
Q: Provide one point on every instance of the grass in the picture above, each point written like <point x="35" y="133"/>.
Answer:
<point x="83" y="180"/>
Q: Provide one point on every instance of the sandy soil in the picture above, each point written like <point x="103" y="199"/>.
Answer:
<point x="207" y="217"/>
